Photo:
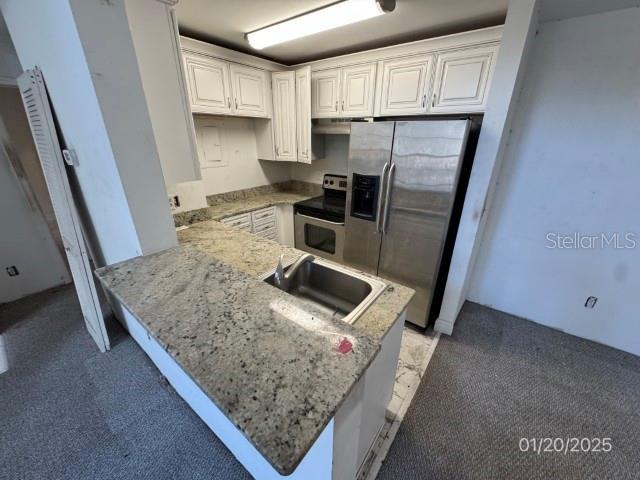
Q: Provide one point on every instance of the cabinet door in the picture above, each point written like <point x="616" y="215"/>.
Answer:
<point x="303" y="114"/>
<point x="357" y="87"/>
<point x="463" y="79"/>
<point x="284" y="115"/>
<point x="325" y="91"/>
<point x="405" y="82"/>
<point x="208" y="84"/>
<point x="250" y="88"/>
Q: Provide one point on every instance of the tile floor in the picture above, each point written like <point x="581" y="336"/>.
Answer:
<point x="415" y="352"/>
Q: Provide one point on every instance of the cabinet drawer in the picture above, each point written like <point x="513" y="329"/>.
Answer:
<point x="242" y="222"/>
<point x="263" y="215"/>
<point x="269" y="233"/>
<point x="263" y="227"/>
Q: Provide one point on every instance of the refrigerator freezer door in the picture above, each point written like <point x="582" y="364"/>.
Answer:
<point x="369" y="152"/>
<point x="427" y="156"/>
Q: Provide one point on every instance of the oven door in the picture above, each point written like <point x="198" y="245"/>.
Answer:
<point x="319" y="237"/>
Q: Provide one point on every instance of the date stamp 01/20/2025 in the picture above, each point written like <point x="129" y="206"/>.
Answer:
<point x="565" y="445"/>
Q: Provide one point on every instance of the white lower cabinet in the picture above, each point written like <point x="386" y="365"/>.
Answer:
<point x="240" y="222"/>
<point x="284" y="225"/>
<point x="262" y="222"/>
<point x="462" y="80"/>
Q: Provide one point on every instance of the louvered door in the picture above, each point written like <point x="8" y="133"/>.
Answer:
<point x="36" y="103"/>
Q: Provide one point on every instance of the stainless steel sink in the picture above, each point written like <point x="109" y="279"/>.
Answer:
<point x="341" y="293"/>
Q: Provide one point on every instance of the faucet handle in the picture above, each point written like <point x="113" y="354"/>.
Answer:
<point x="279" y="276"/>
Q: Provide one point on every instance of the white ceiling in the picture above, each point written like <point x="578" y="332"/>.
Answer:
<point x="224" y="22"/>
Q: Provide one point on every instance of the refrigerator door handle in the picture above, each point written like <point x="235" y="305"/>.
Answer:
<point x="387" y="198"/>
<point x="378" y="213"/>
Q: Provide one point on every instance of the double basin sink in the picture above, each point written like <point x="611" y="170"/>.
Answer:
<point x="340" y="292"/>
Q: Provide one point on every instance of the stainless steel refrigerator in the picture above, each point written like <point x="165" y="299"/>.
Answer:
<point x="402" y="180"/>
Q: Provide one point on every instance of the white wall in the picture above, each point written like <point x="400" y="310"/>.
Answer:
<point x="238" y="166"/>
<point x="157" y="51"/>
<point x="25" y="241"/>
<point x="87" y="58"/>
<point x="239" y="154"/>
<point x="10" y="67"/>
<point x="335" y="158"/>
<point x="116" y="65"/>
<point x="572" y="166"/>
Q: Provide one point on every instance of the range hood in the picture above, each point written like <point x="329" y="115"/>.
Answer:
<point x="331" y="128"/>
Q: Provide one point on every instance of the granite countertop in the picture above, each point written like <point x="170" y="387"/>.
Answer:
<point x="243" y="201"/>
<point x="255" y="256"/>
<point x="268" y="361"/>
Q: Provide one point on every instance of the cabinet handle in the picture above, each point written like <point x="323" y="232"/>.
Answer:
<point x="424" y="100"/>
<point x="337" y="106"/>
<point x="236" y="100"/>
<point x="343" y="105"/>
<point x="433" y="102"/>
<point x="228" y="102"/>
<point x="277" y="151"/>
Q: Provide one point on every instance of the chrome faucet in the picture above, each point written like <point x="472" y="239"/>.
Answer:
<point x="281" y="279"/>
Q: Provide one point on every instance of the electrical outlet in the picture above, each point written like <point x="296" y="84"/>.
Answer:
<point x="174" y="201"/>
<point x="591" y="302"/>
<point x="13" y="271"/>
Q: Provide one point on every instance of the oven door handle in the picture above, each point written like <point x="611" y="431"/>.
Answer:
<point x="379" y="212"/>
<point x="320" y="219"/>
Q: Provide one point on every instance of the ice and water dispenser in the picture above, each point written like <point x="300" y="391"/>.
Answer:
<point x="364" y="196"/>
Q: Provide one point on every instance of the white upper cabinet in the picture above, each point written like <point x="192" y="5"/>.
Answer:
<point x="462" y="80"/>
<point x="284" y="115"/>
<point x="325" y="92"/>
<point x="343" y="92"/>
<point x="357" y="87"/>
<point x="250" y="91"/>
<point x="219" y="87"/>
<point x="435" y="76"/>
<point x="405" y="85"/>
<point x="208" y="84"/>
<point x="303" y="114"/>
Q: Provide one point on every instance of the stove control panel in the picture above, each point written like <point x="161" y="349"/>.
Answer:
<point x="335" y="182"/>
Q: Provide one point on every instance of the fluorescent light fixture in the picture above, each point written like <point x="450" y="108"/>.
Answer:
<point x="320" y="20"/>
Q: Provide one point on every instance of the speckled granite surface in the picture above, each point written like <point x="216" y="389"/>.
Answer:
<point x="272" y="368"/>
<point x="255" y="256"/>
<point x="243" y="201"/>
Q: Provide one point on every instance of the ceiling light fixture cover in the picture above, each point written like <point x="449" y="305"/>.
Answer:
<point x="320" y="20"/>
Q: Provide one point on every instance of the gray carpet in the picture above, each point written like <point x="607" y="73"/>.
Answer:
<point x="500" y="378"/>
<point x="69" y="412"/>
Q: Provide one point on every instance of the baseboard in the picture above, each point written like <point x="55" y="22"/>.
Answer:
<point x="444" y="326"/>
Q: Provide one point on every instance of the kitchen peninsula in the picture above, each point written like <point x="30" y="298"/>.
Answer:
<point x="267" y="372"/>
